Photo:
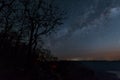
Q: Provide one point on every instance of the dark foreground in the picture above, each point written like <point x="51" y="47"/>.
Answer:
<point x="76" y="70"/>
<point x="67" y="70"/>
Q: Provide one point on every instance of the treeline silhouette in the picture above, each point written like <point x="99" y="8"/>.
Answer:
<point x="15" y="60"/>
<point x="23" y="24"/>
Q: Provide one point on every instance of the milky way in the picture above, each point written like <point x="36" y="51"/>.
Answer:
<point x="91" y="25"/>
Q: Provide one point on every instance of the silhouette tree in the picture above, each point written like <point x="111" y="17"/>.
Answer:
<point x="23" y="23"/>
<point x="30" y="19"/>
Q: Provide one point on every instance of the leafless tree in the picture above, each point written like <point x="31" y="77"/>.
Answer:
<point x="31" y="19"/>
<point x="23" y="24"/>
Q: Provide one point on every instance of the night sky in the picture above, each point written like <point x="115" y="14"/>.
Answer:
<point x="91" y="30"/>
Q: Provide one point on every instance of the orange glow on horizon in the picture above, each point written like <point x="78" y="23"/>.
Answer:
<point x="108" y="55"/>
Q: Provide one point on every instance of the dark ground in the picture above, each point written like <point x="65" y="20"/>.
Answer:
<point x="75" y="70"/>
<point x="61" y="70"/>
